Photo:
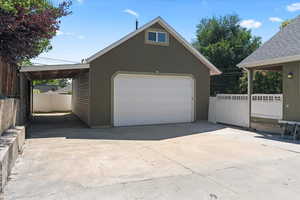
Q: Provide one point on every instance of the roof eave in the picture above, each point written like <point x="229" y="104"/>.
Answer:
<point x="273" y="61"/>
<point x="125" y="38"/>
<point x="213" y="69"/>
<point x="215" y="73"/>
<point x="35" y="68"/>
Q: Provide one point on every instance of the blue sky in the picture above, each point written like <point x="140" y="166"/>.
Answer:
<point x="95" y="24"/>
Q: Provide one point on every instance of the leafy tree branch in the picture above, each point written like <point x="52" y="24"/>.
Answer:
<point x="26" y="27"/>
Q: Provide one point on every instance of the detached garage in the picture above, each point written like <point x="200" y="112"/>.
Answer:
<point x="151" y="76"/>
<point x="152" y="99"/>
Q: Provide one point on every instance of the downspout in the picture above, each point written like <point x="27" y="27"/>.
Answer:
<point x="250" y="91"/>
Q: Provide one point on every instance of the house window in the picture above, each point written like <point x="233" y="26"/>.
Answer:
<point x="157" y="37"/>
<point x="161" y="37"/>
<point x="152" y="36"/>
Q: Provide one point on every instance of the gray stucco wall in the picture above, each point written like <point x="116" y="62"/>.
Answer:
<point x="291" y="92"/>
<point x="81" y="97"/>
<point x="136" y="56"/>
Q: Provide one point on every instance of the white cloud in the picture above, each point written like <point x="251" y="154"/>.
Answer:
<point x="59" y="32"/>
<point x="131" y="12"/>
<point x="250" y="23"/>
<point x="293" y="7"/>
<point x="81" y="37"/>
<point x="275" y="19"/>
<point x="70" y="34"/>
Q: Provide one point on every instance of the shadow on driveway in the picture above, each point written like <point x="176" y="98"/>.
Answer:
<point x="277" y="137"/>
<point x="70" y="127"/>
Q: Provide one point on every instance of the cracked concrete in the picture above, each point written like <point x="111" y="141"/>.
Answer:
<point x="65" y="160"/>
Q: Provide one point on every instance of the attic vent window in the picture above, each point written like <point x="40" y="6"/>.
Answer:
<point x="157" y="37"/>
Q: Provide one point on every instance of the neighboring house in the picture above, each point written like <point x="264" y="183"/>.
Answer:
<point x="45" y="88"/>
<point x="281" y="53"/>
<point x="151" y="76"/>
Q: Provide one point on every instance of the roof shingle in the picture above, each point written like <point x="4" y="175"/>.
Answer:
<point x="285" y="44"/>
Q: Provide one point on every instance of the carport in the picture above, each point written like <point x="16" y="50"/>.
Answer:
<point x="43" y="72"/>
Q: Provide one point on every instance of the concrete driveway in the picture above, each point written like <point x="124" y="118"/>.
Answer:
<point x="65" y="160"/>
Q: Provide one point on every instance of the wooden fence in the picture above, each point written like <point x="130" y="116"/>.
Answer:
<point x="10" y="113"/>
<point x="8" y="79"/>
<point x="52" y="102"/>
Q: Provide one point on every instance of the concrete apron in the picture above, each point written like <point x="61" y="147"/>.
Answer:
<point x="183" y="161"/>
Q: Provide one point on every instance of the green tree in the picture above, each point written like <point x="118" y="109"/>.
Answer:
<point x="225" y="43"/>
<point x="59" y="82"/>
<point x="27" y="26"/>
<point x="265" y="82"/>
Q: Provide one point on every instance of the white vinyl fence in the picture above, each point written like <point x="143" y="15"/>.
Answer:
<point x="52" y="102"/>
<point x="267" y="106"/>
<point x="233" y="109"/>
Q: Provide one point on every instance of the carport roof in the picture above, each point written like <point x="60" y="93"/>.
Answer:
<point x="44" y="72"/>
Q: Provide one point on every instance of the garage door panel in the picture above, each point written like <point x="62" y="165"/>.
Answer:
<point x="141" y="99"/>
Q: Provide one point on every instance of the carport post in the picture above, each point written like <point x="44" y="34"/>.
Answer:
<point x="250" y="91"/>
<point x="31" y="91"/>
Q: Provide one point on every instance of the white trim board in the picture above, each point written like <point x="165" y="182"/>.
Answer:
<point x="53" y="67"/>
<point x="213" y="69"/>
<point x="270" y="61"/>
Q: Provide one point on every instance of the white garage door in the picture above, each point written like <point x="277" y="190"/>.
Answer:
<point x="152" y="99"/>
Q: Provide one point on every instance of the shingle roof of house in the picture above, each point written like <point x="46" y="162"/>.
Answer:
<point x="283" y="47"/>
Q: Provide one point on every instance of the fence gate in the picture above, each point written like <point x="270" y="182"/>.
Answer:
<point x="233" y="109"/>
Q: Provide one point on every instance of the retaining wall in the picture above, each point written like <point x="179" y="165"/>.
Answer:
<point x="8" y="113"/>
<point x="12" y="141"/>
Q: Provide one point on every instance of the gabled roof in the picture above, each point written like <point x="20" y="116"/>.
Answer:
<point x="213" y="69"/>
<point x="283" y="47"/>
